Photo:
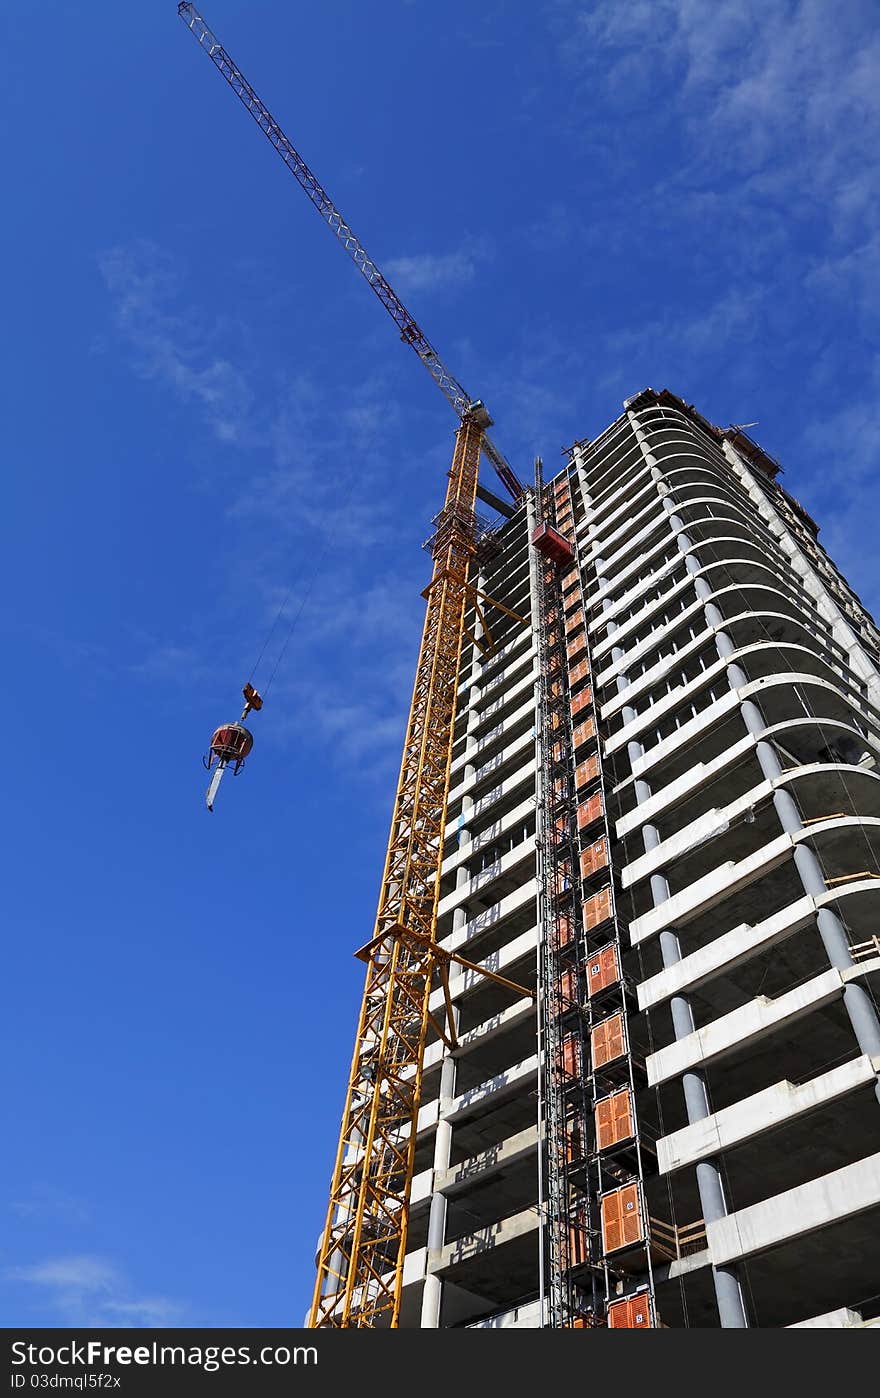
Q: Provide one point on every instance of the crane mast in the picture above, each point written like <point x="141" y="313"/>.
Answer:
<point x="363" y="1245"/>
<point x="360" y="1262"/>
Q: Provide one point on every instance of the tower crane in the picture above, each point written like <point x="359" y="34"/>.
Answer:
<point x="362" y="1248"/>
<point x="410" y="331"/>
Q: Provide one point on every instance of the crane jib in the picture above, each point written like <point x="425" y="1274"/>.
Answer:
<point x="410" y="331"/>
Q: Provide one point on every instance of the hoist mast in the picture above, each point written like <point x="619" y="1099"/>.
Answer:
<point x="362" y="1249"/>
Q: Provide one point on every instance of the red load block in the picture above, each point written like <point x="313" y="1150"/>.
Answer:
<point x="586" y="772"/>
<point x="582" y="700"/>
<point x="576" y="647"/>
<point x="622" y="1221"/>
<point x="573" y="621"/>
<point x="614" y="1119"/>
<point x="570" y="1057"/>
<point x="589" y="811"/>
<point x="231" y="742"/>
<point x="574" y="1143"/>
<point x="565" y="929"/>
<point x="579" y="672"/>
<point x="631" y="1313"/>
<point x="579" y="1244"/>
<point x="594" y="857"/>
<point x="584" y="732"/>
<point x="608" y="1041"/>
<point x="549" y="542"/>
<point x="602" y="970"/>
<point x="570" y="579"/>
<point x="597" y="909"/>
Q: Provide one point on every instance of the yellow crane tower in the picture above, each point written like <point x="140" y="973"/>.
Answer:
<point x="361" y="1253"/>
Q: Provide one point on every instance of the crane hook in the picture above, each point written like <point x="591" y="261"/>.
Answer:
<point x="231" y="743"/>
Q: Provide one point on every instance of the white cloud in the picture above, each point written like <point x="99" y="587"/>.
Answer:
<point x="66" y="1273"/>
<point x="678" y="338"/>
<point x="357" y="712"/>
<point x="45" y="1201"/>
<point x="438" y="271"/>
<point x="841" y="437"/>
<point x="88" y="1290"/>
<point x="289" y="419"/>
<point x="782" y="94"/>
<point x="169" y="662"/>
<point x="740" y="139"/>
<point x="304" y="518"/>
<point x="171" y="345"/>
<point x="852" y="276"/>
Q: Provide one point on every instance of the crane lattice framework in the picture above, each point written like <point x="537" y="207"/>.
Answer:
<point x="360" y="1264"/>
<point x="362" y="1249"/>
<point x="410" y="331"/>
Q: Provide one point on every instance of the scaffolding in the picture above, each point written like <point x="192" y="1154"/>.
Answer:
<point x="570" y="1208"/>
<point x="600" y="1238"/>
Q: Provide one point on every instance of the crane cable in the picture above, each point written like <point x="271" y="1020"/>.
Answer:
<point x="270" y="633"/>
<point x="312" y="578"/>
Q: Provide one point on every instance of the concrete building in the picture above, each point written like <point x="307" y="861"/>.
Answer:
<point x="664" y="815"/>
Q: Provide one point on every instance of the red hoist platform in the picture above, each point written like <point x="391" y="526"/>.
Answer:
<point x="552" y="544"/>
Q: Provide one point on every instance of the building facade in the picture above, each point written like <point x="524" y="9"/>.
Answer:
<point x="664" y="820"/>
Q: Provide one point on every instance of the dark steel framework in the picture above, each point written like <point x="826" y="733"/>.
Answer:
<point x="565" y="1021"/>
<point x="604" y="1166"/>
<point x="579" y="922"/>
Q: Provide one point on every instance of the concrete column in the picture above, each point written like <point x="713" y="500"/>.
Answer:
<point x="477" y="663"/>
<point x="467" y="810"/>
<point x="470" y="771"/>
<point x="710" y="1186"/>
<point x="859" y="1006"/>
<point x="581" y="472"/>
<point x="432" y="1294"/>
<point x="728" y="1291"/>
<point x="473" y="720"/>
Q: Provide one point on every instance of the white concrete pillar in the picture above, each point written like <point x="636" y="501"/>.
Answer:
<point x="432" y="1293"/>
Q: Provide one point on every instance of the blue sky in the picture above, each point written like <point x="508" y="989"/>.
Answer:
<point x="203" y="402"/>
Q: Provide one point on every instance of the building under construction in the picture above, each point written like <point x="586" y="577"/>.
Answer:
<point x="618" y="1052"/>
<point x="663" y="838"/>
